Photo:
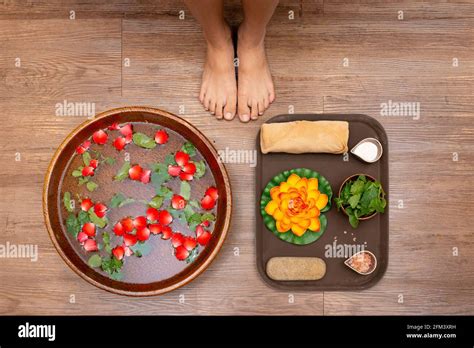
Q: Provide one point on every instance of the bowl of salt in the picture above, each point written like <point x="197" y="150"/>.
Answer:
<point x="369" y="150"/>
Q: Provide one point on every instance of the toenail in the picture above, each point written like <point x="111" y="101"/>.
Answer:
<point x="245" y="118"/>
<point x="228" y="115"/>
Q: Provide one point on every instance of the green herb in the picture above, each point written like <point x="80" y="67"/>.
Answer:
<point x="99" y="222"/>
<point x="68" y="203"/>
<point x="185" y="190"/>
<point x="77" y="173"/>
<point x="208" y="217"/>
<point x="112" y="266"/>
<point x="192" y="255"/>
<point x="117" y="275"/>
<point x="123" y="172"/>
<point x="72" y="225"/>
<point x="169" y="159"/>
<point x="110" y="160"/>
<point x="144" y="141"/>
<point x="106" y="240"/>
<point x="86" y="158"/>
<point x="95" y="261"/>
<point x="200" y="169"/>
<point x="194" y="220"/>
<point x="119" y="200"/>
<point x="156" y="202"/>
<point x="194" y="204"/>
<point x="83" y="217"/>
<point x="189" y="148"/>
<point x="91" y="186"/>
<point x="83" y="181"/>
<point x="160" y="174"/>
<point x="165" y="192"/>
<point x="361" y="197"/>
<point x="141" y="249"/>
<point x="178" y="214"/>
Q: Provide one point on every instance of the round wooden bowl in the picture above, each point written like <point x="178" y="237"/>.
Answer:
<point x="52" y="201"/>
<point x="350" y="178"/>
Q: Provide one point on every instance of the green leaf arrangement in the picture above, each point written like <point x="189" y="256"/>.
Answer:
<point x="309" y="236"/>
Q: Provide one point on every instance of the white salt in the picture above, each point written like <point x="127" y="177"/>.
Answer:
<point x="367" y="150"/>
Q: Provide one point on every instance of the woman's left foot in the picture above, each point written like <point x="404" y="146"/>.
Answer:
<point x="255" y="89"/>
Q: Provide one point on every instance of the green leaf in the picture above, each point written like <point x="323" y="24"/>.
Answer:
<point x="83" y="217"/>
<point x="156" y="202"/>
<point x="194" y="220"/>
<point x="160" y="174"/>
<point x="86" y="158"/>
<point x="169" y="159"/>
<point x="111" y="265"/>
<point x="194" y="204"/>
<point x="192" y="255"/>
<point x="72" y="225"/>
<point x="77" y="173"/>
<point x="189" y="149"/>
<point x="141" y="249"/>
<point x="106" y="238"/>
<point x="122" y="174"/>
<point x="143" y="140"/>
<point x="110" y="160"/>
<point x="185" y="190"/>
<point x="188" y="211"/>
<point x="117" y="276"/>
<point x="99" y="222"/>
<point x="92" y="186"/>
<point x="95" y="261"/>
<point x="119" y="200"/>
<point x="68" y="203"/>
<point x="83" y="181"/>
<point x="208" y="217"/>
<point x="165" y="192"/>
<point x="354" y="221"/>
<point x="354" y="200"/>
<point x="200" y="169"/>
<point x="309" y="236"/>
<point x="357" y="187"/>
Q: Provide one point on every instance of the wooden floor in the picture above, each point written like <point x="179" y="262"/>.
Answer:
<point x="334" y="56"/>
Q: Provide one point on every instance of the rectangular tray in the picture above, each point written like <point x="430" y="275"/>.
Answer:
<point x="373" y="231"/>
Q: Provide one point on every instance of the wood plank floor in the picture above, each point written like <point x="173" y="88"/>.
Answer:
<point x="334" y="57"/>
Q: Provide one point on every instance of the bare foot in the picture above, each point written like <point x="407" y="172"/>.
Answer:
<point x="218" y="89"/>
<point x="255" y="85"/>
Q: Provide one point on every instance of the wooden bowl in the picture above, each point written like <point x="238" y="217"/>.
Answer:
<point x="52" y="201"/>
<point x="350" y="178"/>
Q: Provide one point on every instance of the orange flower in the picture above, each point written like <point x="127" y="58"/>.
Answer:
<point x="296" y="205"/>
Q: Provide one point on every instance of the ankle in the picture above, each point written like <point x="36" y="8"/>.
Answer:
<point x="251" y="36"/>
<point x="220" y="38"/>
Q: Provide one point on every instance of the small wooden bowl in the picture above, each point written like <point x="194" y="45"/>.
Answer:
<point x="350" y="178"/>
<point x="52" y="188"/>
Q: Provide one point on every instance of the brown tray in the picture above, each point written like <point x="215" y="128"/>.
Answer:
<point x="335" y="170"/>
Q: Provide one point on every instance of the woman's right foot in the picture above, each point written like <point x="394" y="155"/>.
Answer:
<point x="218" y="87"/>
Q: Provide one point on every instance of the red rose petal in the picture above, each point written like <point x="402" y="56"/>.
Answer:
<point x="129" y="239"/>
<point x="86" y="204"/>
<point x="114" y="126"/>
<point x="212" y="191"/>
<point x="127" y="130"/>
<point x="89" y="229"/>
<point x="207" y="203"/>
<point x="127" y="224"/>
<point x="181" y="253"/>
<point x="165" y="218"/>
<point x="189" y="168"/>
<point x="152" y="214"/>
<point x="177" y="239"/>
<point x="139" y="222"/>
<point x="88" y="171"/>
<point x="100" y="137"/>
<point x="181" y="158"/>
<point x="119" y="230"/>
<point x="145" y="178"/>
<point x="94" y="163"/>
<point x="82" y="237"/>
<point x="143" y="234"/>
<point x="161" y="137"/>
<point x="204" y="238"/>
<point x="118" y="252"/>
<point x="174" y="170"/>
<point x="185" y="176"/>
<point x="178" y="202"/>
<point x="135" y="173"/>
<point x="166" y="231"/>
<point x="189" y="243"/>
<point x="119" y="143"/>
<point x="90" y="245"/>
<point x="127" y="250"/>
<point x="100" y="209"/>
<point x="199" y="230"/>
<point x="155" y="228"/>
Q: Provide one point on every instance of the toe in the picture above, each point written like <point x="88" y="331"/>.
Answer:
<point x="261" y="107"/>
<point x="266" y="103"/>
<point x="229" y="109"/>
<point x="271" y="96"/>
<point x="212" y="107"/>
<point x="202" y="95"/>
<point x="244" y="110"/>
<point x="254" y="110"/>
<point x="207" y="103"/>
<point x="219" y="108"/>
